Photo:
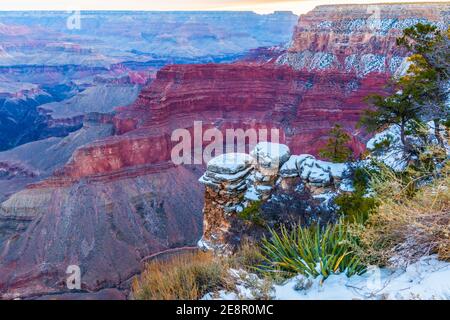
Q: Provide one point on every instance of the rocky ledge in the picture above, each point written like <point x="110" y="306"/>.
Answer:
<point x="235" y="181"/>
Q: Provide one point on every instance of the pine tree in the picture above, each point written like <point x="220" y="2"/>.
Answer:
<point x="397" y="109"/>
<point x="336" y="149"/>
<point x="431" y="43"/>
<point x="429" y="71"/>
<point x="420" y="94"/>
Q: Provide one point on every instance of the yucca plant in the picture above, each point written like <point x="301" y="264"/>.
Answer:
<point x="312" y="251"/>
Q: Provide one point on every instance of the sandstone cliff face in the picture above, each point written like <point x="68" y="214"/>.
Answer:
<point x="120" y="198"/>
<point x="252" y="96"/>
<point x="228" y="96"/>
<point x="358" y="37"/>
<point x="105" y="227"/>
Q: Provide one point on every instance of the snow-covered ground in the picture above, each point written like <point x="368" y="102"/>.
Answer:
<point x="426" y="279"/>
<point x="394" y="156"/>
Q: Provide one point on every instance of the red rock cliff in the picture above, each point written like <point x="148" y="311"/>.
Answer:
<point x="357" y="37"/>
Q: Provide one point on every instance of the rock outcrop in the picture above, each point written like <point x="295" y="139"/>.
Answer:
<point x="235" y="181"/>
<point x="226" y="181"/>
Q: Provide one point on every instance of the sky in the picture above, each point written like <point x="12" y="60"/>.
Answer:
<point x="260" y="6"/>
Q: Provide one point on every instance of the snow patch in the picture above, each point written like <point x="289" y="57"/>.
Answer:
<point x="394" y="157"/>
<point x="230" y="163"/>
<point x="427" y="279"/>
<point x="271" y="155"/>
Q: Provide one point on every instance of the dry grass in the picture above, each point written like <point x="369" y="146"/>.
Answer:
<point x="248" y="256"/>
<point x="407" y="227"/>
<point x="183" y="277"/>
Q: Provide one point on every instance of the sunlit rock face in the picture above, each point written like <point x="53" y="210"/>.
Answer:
<point x="358" y="38"/>
<point x="340" y="55"/>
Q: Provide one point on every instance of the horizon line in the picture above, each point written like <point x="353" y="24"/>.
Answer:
<point x="258" y="6"/>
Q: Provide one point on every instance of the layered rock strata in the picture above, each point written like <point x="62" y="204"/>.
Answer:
<point x="234" y="181"/>
<point x="358" y="38"/>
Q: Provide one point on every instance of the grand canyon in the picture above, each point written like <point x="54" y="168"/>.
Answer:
<point x="87" y="116"/>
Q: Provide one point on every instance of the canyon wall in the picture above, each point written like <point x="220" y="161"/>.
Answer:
<point x="52" y="72"/>
<point x="120" y="198"/>
<point x="359" y="38"/>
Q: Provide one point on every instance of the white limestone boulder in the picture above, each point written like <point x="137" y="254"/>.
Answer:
<point x="271" y="155"/>
<point x="289" y="168"/>
<point x="230" y="163"/>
